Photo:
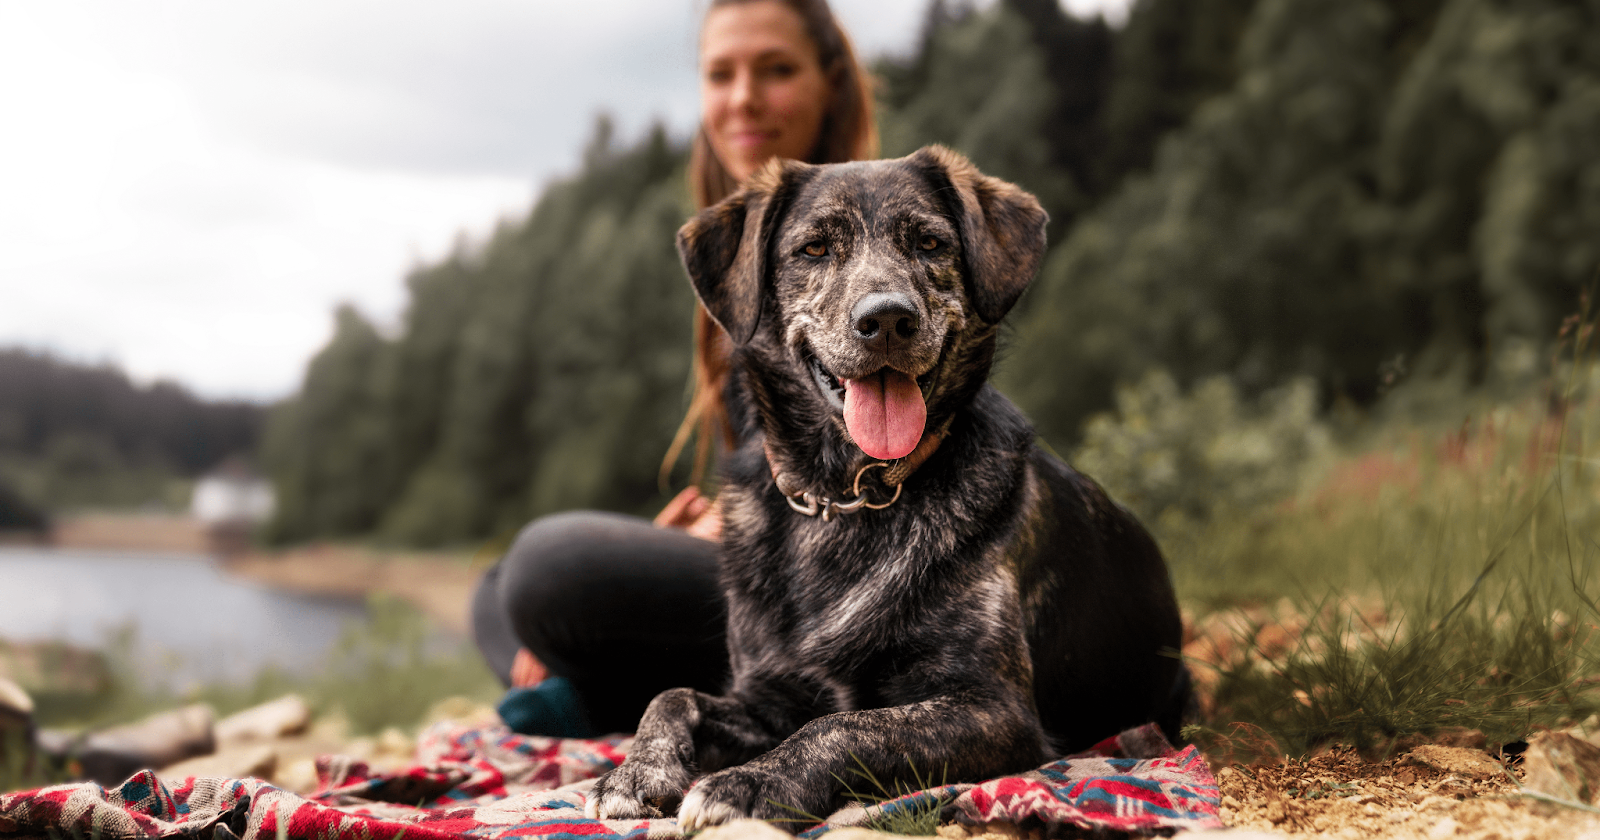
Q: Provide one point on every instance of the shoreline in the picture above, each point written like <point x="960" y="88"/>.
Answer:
<point x="437" y="583"/>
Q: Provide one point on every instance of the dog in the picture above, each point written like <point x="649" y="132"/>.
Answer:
<point x="914" y="588"/>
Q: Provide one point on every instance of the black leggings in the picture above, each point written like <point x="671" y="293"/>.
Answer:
<point x="620" y="608"/>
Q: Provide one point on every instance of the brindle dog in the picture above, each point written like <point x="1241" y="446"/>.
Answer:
<point x="989" y="610"/>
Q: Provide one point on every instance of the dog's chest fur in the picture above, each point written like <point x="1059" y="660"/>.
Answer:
<point x="882" y="607"/>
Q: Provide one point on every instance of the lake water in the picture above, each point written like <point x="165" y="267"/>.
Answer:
<point x="191" y="622"/>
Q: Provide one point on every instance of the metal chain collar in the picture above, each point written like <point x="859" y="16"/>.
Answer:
<point x="811" y="504"/>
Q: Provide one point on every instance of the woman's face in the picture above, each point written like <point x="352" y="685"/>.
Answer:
<point x="762" y="90"/>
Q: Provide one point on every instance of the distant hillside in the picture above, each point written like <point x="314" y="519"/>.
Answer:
<point x="74" y="435"/>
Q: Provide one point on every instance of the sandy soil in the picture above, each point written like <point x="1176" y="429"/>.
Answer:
<point x="131" y="532"/>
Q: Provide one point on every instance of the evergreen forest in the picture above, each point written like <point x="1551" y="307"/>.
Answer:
<point x="1297" y="202"/>
<point x="76" y="436"/>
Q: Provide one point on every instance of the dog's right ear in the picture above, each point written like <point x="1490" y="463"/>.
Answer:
<point x="724" y="248"/>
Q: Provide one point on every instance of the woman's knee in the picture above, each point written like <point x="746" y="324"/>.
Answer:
<point x="557" y="559"/>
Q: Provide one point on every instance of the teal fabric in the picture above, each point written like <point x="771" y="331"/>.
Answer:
<point x="552" y="707"/>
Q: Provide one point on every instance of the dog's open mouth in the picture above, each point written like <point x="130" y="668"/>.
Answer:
<point x="884" y="411"/>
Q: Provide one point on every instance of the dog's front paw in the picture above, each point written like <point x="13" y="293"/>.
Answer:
<point x="743" y="792"/>
<point x="636" y="790"/>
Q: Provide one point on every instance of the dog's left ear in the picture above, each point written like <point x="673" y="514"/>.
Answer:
<point x="1002" y="230"/>
<point x="724" y="248"/>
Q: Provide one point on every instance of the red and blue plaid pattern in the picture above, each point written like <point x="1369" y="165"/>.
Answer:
<point x="490" y="783"/>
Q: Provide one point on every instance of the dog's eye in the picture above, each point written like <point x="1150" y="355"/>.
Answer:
<point x="816" y="249"/>
<point x="929" y="243"/>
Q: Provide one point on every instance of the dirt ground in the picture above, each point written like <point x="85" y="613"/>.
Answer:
<point x="1429" y="793"/>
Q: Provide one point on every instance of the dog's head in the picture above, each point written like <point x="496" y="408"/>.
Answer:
<point x="875" y="286"/>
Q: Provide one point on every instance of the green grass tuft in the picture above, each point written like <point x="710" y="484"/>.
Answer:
<point x="1432" y="577"/>
<point x="915" y="816"/>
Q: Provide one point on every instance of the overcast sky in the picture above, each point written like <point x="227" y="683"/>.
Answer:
<point x="189" y="187"/>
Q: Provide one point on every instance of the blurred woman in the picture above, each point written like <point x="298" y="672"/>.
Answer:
<point x="589" y="615"/>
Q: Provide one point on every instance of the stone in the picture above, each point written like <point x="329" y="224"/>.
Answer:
<point x="299" y="775"/>
<point x="15" y="704"/>
<point x="16" y="725"/>
<point x="746" y="830"/>
<point x="287" y="715"/>
<point x="851" y="833"/>
<point x="110" y="756"/>
<point x="395" y="742"/>
<point x="1449" y="736"/>
<point x="1561" y="765"/>
<point x="1460" y="736"/>
<point x="260" y="761"/>
<point x="1467" y="763"/>
<point x="464" y="711"/>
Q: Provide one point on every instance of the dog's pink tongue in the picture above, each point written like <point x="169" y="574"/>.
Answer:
<point x="885" y="413"/>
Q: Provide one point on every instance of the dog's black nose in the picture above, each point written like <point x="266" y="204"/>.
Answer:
<point x="883" y="319"/>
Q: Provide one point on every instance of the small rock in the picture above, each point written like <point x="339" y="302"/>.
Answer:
<point x="1449" y="736"/>
<point x="1561" y="765"/>
<point x="16" y="725"/>
<point x="333" y="726"/>
<point x="1230" y="802"/>
<point x="853" y="833"/>
<point x="111" y="755"/>
<point x="299" y="776"/>
<point x="464" y="711"/>
<point x="287" y="715"/>
<point x="394" y="744"/>
<point x="237" y="763"/>
<point x="754" y="830"/>
<point x="1460" y="736"/>
<point x="1446" y="827"/>
<point x="1002" y="831"/>
<point x="14" y="702"/>
<point x="361" y="748"/>
<point x="1472" y="764"/>
<point x="1275" y="813"/>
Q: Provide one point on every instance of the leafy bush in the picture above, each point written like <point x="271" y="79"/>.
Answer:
<point x="1175" y="458"/>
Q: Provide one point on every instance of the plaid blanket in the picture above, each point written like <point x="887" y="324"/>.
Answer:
<point x="490" y="783"/>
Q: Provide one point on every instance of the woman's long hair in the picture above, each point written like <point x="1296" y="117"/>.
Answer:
<point x="847" y="133"/>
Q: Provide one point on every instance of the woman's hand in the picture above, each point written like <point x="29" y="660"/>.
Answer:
<point x="692" y="513"/>
<point x="526" y="669"/>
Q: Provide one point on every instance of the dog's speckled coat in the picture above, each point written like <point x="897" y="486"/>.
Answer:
<point x="1002" y="610"/>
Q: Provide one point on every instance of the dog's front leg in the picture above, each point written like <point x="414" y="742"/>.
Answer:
<point x="903" y="748"/>
<point x="682" y="732"/>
